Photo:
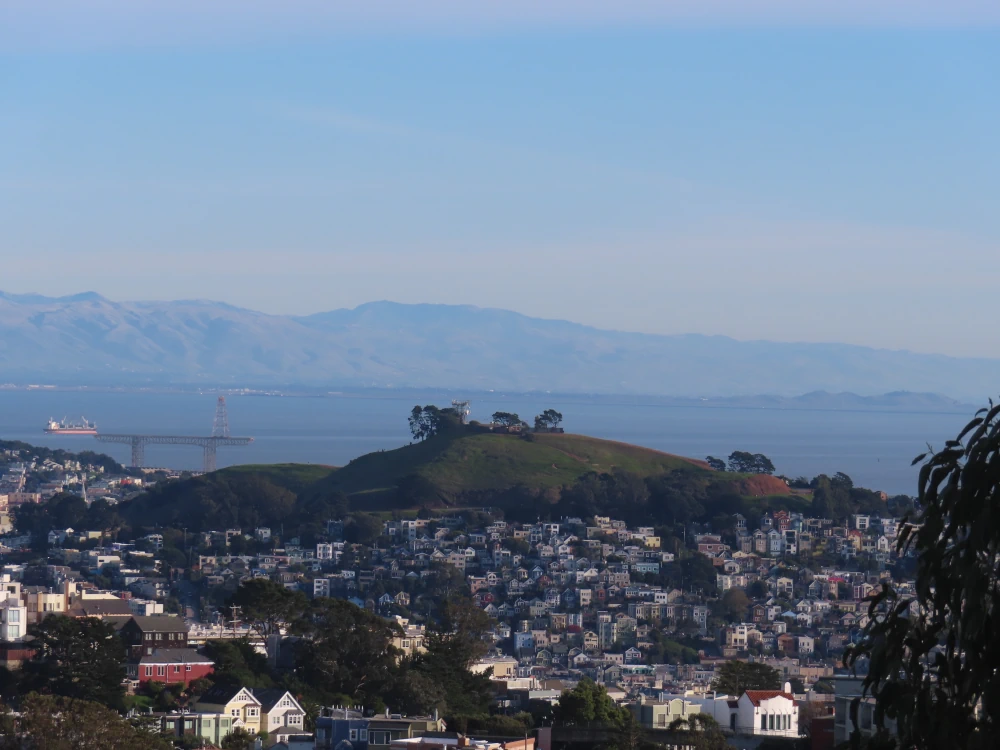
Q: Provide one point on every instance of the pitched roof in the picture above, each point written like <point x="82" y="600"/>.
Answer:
<point x="270" y="697"/>
<point x="756" y="696"/>
<point x="220" y="695"/>
<point x="100" y="608"/>
<point x="161" y="624"/>
<point x="175" y="656"/>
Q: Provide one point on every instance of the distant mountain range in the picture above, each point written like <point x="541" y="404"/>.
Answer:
<point x="87" y="339"/>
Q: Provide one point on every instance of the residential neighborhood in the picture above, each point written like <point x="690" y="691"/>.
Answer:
<point x="651" y="621"/>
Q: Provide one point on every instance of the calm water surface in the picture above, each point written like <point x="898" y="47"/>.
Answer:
<point x="875" y="448"/>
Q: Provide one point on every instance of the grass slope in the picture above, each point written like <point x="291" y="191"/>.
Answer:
<point x="293" y="477"/>
<point x="485" y="462"/>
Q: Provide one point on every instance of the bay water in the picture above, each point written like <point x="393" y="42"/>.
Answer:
<point x="874" y="447"/>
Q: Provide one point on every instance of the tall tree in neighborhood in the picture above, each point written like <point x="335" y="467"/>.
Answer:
<point x="48" y="722"/>
<point x="362" y="528"/>
<point x="266" y="606"/>
<point x="733" y="606"/>
<point x="733" y="677"/>
<point x="702" y="732"/>
<point x="455" y="641"/>
<point x="238" y="739"/>
<point x="77" y="658"/>
<point x="589" y="703"/>
<point x="237" y="662"/>
<point x="932" y="656"/>
<point x="346" y="651"/>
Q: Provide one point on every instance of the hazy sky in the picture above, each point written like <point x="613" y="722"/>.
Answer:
<point x="786" y="170"/>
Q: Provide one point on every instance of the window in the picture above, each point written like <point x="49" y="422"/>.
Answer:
<point x="364" y="735"/>
<point x="187" y="667"/>
<point x="149" y="671"/>
<point x="770" y="721"/>
<point x="159" y="636"/>
<point x="235" y="712"/>
<point x="763" y="722"/>
<point x="253" y="711"/>
<point x="13" y="615"/>
<point x="13" y="631"/>
<point x="161" y="670"/>
<point x="354" y="735"/>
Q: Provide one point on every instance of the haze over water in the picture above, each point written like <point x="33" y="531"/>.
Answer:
<point x="874" y="448"/>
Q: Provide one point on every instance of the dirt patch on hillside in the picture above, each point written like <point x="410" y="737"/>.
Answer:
<point x="759" y="485"/>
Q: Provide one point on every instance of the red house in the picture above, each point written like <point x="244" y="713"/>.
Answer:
<point x="170" y="665"/>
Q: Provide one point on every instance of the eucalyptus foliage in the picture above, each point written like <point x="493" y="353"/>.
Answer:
<point x="933" y="653"/>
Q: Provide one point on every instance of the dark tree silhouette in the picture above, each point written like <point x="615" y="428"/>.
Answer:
<point x="77" y="658"/>
<point x="506" y="419"/>
<point x="548" y="420"/>
<point x="932" y="655"/>
<point x="733" y="677"/>
<point x="717" y="464"/>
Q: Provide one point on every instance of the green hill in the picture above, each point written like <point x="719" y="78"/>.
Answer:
<point x="485" y="463"/>
<point x="293" y="477"/>
<point x="444" y="471"/>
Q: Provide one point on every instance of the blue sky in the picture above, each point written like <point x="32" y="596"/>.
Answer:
<point x="789" y="171"/>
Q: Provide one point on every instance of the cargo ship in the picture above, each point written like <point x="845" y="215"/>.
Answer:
<point x="70" y="428"/>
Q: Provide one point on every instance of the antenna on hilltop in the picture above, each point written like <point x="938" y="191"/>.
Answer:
<point x="220" y="427"/>
<point x="464" y="410"/>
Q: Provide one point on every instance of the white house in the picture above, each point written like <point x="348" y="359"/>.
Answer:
<point x="13" y="620"/>
<point x="280" y="712"/>
<point x="321" y="587"/>
<point x="771" y="713"/>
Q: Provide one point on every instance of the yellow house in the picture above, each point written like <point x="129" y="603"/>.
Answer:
<point x="239" y="703"/>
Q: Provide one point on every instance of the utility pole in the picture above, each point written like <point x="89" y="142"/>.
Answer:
<point x="234" y="615"/>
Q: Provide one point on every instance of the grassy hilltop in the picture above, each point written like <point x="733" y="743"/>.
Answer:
<point x="486" y="462"/>
<point x="448" y="470"/>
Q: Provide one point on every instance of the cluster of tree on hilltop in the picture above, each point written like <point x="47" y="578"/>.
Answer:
<point x="429" y="421"/>
<point x="679" y="497"/>
<point x="742" y="462"/>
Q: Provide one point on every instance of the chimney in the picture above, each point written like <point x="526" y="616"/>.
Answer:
<point x="787" y="688"/>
